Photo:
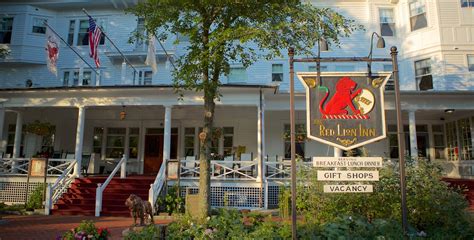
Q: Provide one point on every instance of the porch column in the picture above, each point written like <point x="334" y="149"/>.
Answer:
<point x="413" y="142"/>
<point x="260" y="142"/>
<point x="81" y="117"/>
<point x="337" y="152"/>
<point x="3" y="143"/>
<point x="167" y="136"/>
<point x="18" y="131"/>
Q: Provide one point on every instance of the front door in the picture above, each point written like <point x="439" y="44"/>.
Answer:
<point x="153" y="153"/>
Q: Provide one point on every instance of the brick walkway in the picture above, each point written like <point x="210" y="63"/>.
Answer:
<point x="40" y="227"/>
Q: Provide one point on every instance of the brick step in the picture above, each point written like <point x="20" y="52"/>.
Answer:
<point x="120" y="186"/>
<point x="74" y="206"/>
<point x="116" y="214"/>
<point x="66" y="212"/>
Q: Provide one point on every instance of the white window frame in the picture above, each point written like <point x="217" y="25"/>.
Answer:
<point x="80" y="78"/>
<point x="470" y="64"/>
<point x="34" y="20"/>
<point x="467" y="3"/>
<point x="141" y="76"/>
<point x="11" y="31"/>
<point x="394" y="22"/>
<point x="240" y="80"/>
<point x="419" y="77"/>
<point x="76" y="27"/>
<point x="279" y="72"/>
<point x="425" y="12"/>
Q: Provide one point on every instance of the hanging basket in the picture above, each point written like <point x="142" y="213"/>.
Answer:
<point x="39" y="128"/>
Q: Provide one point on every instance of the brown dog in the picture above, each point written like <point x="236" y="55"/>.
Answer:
<point x="139" y="209"/>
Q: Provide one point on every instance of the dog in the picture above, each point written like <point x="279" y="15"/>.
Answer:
<point x="139" y="209"/>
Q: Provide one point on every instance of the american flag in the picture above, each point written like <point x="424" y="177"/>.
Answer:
<point x="94" y="40"/>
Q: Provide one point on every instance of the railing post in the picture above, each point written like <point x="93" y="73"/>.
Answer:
<point x="151" y="198"/>
<point x="123" y="167"/>
<point x="265" y="195"/>
<point x="98" y="200"/>
<point x="47" y="204"/>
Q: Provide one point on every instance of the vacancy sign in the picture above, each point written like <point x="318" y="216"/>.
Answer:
<point x="348" y="175"/>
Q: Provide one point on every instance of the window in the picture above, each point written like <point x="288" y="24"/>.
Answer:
<point x="387" y="22"/>
<point x="81" y="38"/>
<point x="465" y="139"/>
<point x="115" y="142"/>
<point x="70" y="35"/>
<point x="423" y="76"/>
<point x="417" y="14"/>
<point x="189" y="135"/>
<point x="141" y="32"/>
<point x="11" y="139"/>
<point x="38" y="25"/>
<point x="345" y="68"/>
<point x="277" y="72"/>
<point x="145" y="77"/>
<point x="470" y="63"/>
<point x="182" y="38"/>
<point x="228" y="140"/>
<point x="97" y="140"/>
<point x="300" y="131"/>
<point x="314" y="69"/>
<point x="438" y="136"/>
<point x="467" y="3"/>
<point x="47" y="142"/>
<point x="393" y="140"/>
<point x="237" y="75"/>
<point x="6" y="24"/>
<point x="72" y="78"/>
<point x="452" y="141"/>
<point x="133" y="142"/>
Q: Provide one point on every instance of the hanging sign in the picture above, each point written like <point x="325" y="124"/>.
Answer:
<point x="360" y="162"/>
<point x="345" y="110"/>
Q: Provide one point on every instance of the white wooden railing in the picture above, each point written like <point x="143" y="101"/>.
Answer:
<point x="122" y="165"/>
<point x="157" y="185"/>
<point x="236" y="170"/>
<point x="19" y="166"/>
<point x="60" y="186"/>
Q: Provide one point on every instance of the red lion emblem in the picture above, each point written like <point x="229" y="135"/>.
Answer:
<point x="341" y="99"/>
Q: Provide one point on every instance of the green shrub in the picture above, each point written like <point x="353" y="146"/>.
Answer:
<point x="284" y="202"/>
<point x="35" y="200"/>
<point x="149" y="232"/>
<point x="433" y="207"/>
<point x="171" y="202"/>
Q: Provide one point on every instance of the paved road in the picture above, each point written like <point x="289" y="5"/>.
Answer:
<point x="38" y="227"/>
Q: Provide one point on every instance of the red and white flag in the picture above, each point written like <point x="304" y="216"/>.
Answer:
<point x="94" y="40"/>
<point x="52" y="51"/>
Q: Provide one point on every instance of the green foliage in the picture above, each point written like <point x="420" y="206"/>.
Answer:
<point x="222" y="33"/>
<point x="171" y="202"/>
<point x="14" y="207"/>
<point x="148" y="232"/>
<point x="433" y="207"/>
<point x="284" y="202"/>
<point x="35" y="200"/>
<point x="86" y="230"/>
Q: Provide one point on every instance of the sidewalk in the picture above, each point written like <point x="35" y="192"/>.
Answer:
<point x="39" y="227"/>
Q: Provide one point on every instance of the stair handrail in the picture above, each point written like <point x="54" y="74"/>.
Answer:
<point x="101" y="186"/>
<point x="55" y="191"/>
<point x="157" y="185"/>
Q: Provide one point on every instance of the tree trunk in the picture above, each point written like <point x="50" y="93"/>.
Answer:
<point x="204" y="161"/>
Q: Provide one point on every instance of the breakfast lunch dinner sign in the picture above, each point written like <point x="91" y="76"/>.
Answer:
<point x="345" y="110"/>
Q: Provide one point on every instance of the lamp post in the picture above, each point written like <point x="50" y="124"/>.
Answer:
<point x="291" y="54"/>
<point x="380" y="44"/>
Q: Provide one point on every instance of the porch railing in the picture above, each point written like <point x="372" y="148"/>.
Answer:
<point x="19" y="166"/>
<point x="235" y="170"/>
<point x="157" y="185"/>
<point x="60" y="186"/>
<point x="101" y="186"/>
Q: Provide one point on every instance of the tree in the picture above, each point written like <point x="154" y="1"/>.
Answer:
<point x="222" y="32"/>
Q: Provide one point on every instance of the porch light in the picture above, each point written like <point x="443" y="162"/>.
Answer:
<point x="123" y="114"/>
<point x="380" y="44"/>
<point x="449" y="110"/>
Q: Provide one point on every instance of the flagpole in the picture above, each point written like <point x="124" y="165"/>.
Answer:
<point x="113" y="44"/>
<point x="67" y="44"/>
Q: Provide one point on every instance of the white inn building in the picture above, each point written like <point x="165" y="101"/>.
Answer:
<point x="101" y="116"/>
